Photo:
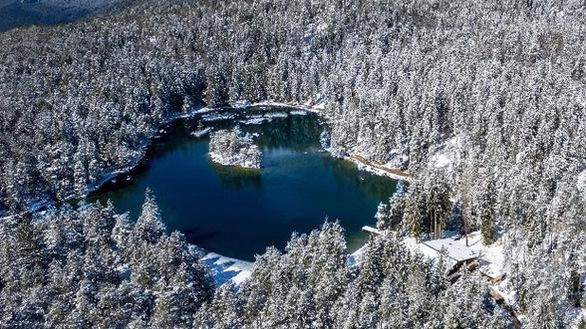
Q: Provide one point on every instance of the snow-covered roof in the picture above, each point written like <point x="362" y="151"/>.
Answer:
<point x="455" y="250"/>
<point x="491" y="257"/>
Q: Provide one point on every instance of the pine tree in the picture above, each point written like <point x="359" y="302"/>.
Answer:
<point x="412" y="217"/>
<point x="574" y="289"/>
<point x="390" y="214"/>
<point x="163" y="315"/>
<point x="487" y="215"/>
<point x="439" y="206"/>
<point x="149" y="227"/>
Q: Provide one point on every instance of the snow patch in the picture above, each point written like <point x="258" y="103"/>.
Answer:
<point x="205" y="110"/>
<point x="357" y="257"/>
<point x="419" y="248"/>
<point x="201" y="132"/>
<point x="298" y="112"/>
<point x="260" y="118"/>
<point x="224" y="269"/>
<point x="446" y="155"/>
<point x="581" y="184"/>
<point x="442" y="160"/>
<point x="217" y="117"/>
<point x="255" y="120"/>
<point x="277" y="115"/>
<point x="320" y="106"/>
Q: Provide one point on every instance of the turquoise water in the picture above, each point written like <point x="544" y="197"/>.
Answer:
<point x="238" y="213"/>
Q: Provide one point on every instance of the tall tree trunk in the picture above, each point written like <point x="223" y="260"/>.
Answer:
<point x="465" y="228"/>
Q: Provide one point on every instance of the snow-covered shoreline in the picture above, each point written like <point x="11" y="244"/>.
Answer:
<point x="361" y="162"/>
<point x="376" y="168"/>
<point x="92" y="187"/>
<point x="308" y="106"/>
<point x="37" y="205"/>
<point x="242" y="268"/>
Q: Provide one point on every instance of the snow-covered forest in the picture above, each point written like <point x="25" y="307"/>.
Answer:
<point x="92" y="268"/>
<point x="482" y="102"/>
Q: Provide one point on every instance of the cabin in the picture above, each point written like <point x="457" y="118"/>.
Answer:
<point x="458" y="252"/>
<point x="488" y="260"/>
<point x="456" y="255"/>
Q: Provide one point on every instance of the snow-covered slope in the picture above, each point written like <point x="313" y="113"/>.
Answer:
<point x="447" y="154"/>
<point x="223" y="268"/>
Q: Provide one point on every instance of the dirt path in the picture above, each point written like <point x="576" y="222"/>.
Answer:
<point x="395" y="172"/>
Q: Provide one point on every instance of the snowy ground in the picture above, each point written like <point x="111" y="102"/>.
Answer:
<point x="224" y="269"/>
<point x="201" y="132"/>
<point x="491" y="257"/>
<point x="447" y="154"/>
<point x="357" y="257"/>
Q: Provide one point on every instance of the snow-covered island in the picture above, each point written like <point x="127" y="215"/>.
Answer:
<point x="234" y="148"/>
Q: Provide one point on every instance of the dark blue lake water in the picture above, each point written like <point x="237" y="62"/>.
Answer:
<point x="20" y="13"/>
<point x="238" y="213"/>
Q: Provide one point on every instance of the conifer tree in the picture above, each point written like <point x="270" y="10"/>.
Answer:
<point x="149" y="227"/>
<point x="487" y="215"/>
<point x="412" y="217"/>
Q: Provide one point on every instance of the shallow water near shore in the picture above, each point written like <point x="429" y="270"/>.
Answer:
<point x="237" y="212"/>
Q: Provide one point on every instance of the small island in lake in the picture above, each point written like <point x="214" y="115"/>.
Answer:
<point x="234" y="148"/>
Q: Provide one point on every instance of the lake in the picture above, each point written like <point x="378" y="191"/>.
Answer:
<point x="237" y="212"/>
<point x="21" y="13"/>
